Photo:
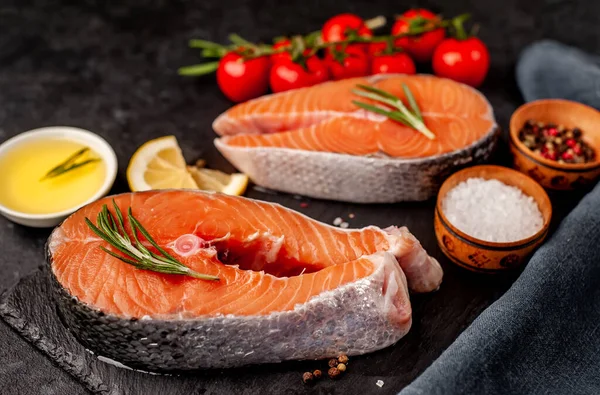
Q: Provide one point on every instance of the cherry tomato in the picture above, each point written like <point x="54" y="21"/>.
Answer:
<point x="420" y="47"/>
<point x="348" y="63"/>
<point x="285" y="43"/>
<point x="286" y="75"/>
<point x="376" y="48"/>
<point x="466" y="61"/>
<point x="394" y="63"/>
<point x="241" y="80"/>
<point x="338" y="27"/>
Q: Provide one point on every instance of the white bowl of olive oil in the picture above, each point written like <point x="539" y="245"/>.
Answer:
<point x="47" y="174"/>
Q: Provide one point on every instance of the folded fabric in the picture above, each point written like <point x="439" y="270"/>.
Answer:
<point x="548" y="69"/>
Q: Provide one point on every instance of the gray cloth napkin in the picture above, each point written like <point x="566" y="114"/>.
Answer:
<point x="548" y="69"/>
<point x="543" y="335"/>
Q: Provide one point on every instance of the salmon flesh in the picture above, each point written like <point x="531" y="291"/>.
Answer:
<point x="289" y="287"/>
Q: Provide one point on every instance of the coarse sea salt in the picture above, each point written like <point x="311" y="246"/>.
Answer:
<point x="492" y="211"/>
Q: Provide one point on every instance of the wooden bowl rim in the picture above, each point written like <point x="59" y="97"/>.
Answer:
<point x="568" y="167"/>
<point x="492" y="245"/>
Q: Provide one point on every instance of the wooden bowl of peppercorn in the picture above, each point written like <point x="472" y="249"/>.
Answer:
<point x="556" y="142"/>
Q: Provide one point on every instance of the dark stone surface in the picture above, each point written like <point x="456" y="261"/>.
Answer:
<point x="110" y="67"/>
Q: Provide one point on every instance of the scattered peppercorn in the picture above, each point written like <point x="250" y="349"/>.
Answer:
<point x="556" y="142"/>
<point x="336" y="367"/>
<point x="307" y="377"/>
<point x="334" y="373"/>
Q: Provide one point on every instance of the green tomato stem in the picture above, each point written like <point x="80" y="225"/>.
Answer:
<point x="457" y="24"/>
<point x="199" y="69"/>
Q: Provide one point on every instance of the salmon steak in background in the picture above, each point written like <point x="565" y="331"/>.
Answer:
<point x="316" y="142"/>
<point x="279" y="271"/>
<point x="323" y="118"/>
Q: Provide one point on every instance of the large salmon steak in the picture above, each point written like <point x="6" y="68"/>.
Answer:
<point x="316" y="142"/>
<point x="288" y="287"/>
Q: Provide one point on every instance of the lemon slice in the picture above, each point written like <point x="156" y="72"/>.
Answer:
<point x="159" y="164"/>
<point x="214" y="180"/>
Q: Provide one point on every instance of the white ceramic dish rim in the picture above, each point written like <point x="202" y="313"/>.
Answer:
<point x="97" y="143"/>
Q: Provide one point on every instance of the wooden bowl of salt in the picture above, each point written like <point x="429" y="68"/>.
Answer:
<point x="489" y="218"/>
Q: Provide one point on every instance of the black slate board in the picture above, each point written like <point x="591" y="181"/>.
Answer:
<point x="438" y="318"/>
<point x="28" y="308"/>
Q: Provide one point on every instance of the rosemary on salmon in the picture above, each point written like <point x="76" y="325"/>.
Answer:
<point x="135" y="253"/>
<point x="70" y="164"/>
<point x="411" y="118"/>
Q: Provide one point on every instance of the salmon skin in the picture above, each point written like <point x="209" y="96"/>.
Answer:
<point x="289" y="287"/>
<point x="283" y="140"/>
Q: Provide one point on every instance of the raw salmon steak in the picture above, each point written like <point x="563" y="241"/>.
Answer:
<point x="317" y="133"/>
<point x="289" y="287"/>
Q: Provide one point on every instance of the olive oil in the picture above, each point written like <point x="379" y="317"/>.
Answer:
<point x="23" y="187"/>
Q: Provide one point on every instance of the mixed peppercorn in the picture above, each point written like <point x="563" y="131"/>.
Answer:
<point x="337" y="366"/>
<point x="556" y="142"/>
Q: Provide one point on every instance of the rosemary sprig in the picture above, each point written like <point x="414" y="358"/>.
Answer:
<point x="70" y="164"/>
<point x="133" y="251"/>
<point x="411" y="118"/>
<point x="238" y="40"/>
